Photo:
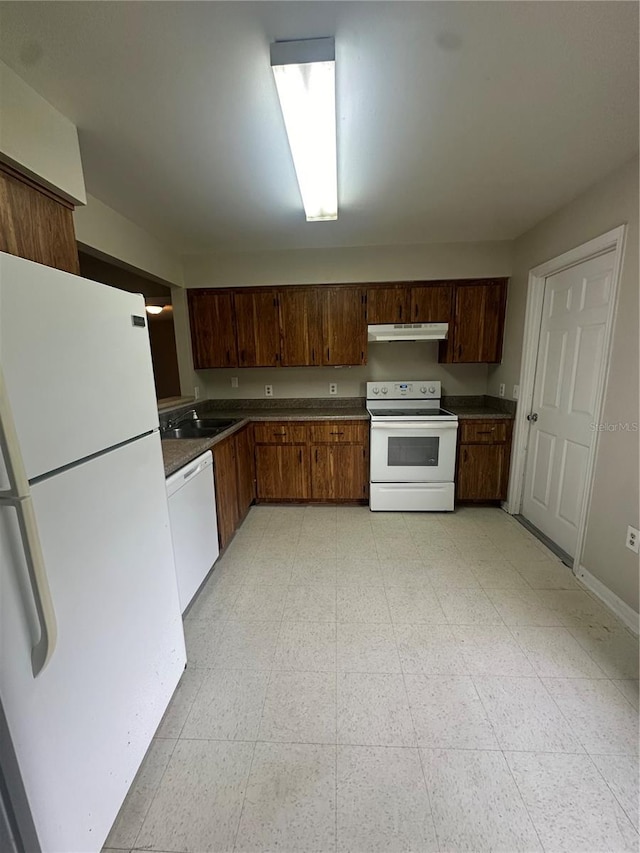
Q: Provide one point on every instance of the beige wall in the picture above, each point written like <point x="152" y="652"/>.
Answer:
<point x="104" y="230"/>
<point x="386" y="361"/>
<point x="326" y="266"/>
<point x="611" y="202"/>
<point x="350" y="264"/>
<point x="37" y="139"/>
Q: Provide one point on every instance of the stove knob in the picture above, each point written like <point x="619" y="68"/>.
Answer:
<point x="423" y="390"/>
<point x="376" y="390"/>
<point x="432" y="389"/>
<point x="385" y="390"/>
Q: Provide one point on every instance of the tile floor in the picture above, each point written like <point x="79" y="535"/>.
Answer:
<point x="385" y="682"/>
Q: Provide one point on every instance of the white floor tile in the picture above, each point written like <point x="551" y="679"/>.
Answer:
<point x="228" y="705"/>
<point x="373" y="710"/>
<point x="247" y="645"/>
<point x="547" y="575"/>
<point x="367" y="648"/>
<point x="447" y="713"/>
<point x="524" y="716"/>
<point x="321" y="570"/>
<point x="468" y="607"/>
<point x="498" y="575"/>
<point x="577" y="607"/>
<point x="475" y="802"/>
<point x="523" y="607"/>
<point x="260" y="603"/>
<point x="216" y="599"/>
<point x="615" y="650"/>
<point x="454" y="575"/>
<point x="362" y="604"/>
<point x="176" y="714"/>
<point x="571" y="806"/>
<point x="414" y="604"/>
<point x="198" y="803"/>
<point x="630" y="690"/>
<point x="306" y="647"/>
<point x="621" y="775"/>
<point x="203" y="638"/>
<point x="429" y="650"/>
<point x="382" y="801"/>
<point x="555" y="653"/>
<point x="131" y="816"/>
<point x="300" y="707"/>
<point x="290" y="800"/>
<point x="311" y="603"/>
<point x="491" y="650"/>
<point x="600" y="716"/>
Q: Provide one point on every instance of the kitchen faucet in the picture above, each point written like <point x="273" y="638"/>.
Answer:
<point x="174" y="423"/>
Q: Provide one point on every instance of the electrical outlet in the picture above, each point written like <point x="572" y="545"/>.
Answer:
<point x="333" y="388"/>
<point x="633" y="539"/>
<point x="501" y="391"/>
<point x="516" y="392"/>
<point x="234" y="381"/>
<point x="268" y="390"/>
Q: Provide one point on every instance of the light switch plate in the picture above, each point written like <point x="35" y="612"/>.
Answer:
<point x="502" y="388"/>
<point x="234" y="381"/>
<point x="516" y="392"/>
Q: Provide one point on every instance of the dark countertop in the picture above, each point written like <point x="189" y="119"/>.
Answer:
<point x="479" y="412"/>
<point x="180" y="451"/>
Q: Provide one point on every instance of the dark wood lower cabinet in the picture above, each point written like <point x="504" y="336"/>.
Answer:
<point x="339" y="472"/>
<point x="484" y="453"/>
<point x="246" y="470"/>
<point x="282" y="472"/>
<point x="226" y="479"/>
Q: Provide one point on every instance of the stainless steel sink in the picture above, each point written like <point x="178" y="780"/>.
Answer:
<point x="201" y="428"/>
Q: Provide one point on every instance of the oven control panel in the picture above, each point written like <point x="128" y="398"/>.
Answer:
<point x="422" y="389"/>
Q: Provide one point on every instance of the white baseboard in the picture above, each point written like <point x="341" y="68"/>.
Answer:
<point x="628" y="615"/>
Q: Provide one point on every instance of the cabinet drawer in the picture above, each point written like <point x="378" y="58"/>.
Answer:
<point x="483" y="432"/>
<point x="337" y="433"/>
<point x="280" y="433"/>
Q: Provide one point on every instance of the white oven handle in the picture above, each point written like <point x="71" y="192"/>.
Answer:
<point x="414" y="425"/>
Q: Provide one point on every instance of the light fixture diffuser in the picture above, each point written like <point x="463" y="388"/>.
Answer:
<point x="304" y="72"/>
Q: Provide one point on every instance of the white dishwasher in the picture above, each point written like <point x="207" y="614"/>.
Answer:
<point x="194" y="526"/>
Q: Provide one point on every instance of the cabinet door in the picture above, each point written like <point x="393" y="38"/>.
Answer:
<point x="338" y="472"/>
<point x="300" y="328"/>
<point x="388" y="304"/>
<point x="431" y="303"/>
<point x="213" y="339"/>
<point x="226" y="479"/>
<point x="245" y="467"/>
<point x="478" y="322"/>
<point x="482" y="472"/>
<point x="257" y="328"/>
<point x="344" y="324"/>
<point x="282" y="472"/>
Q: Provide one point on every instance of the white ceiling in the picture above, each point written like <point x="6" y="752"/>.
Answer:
<point x="456" y="120"/>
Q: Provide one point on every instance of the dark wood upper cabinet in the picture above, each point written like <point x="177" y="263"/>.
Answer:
<point x="431" y="303"/>
<point x="345" y="325"/>
<point x="389" y="304"/>
<point x="300" y="327"/>
<point x="35" y="224"/>
<point x="257" y="328"/>
<point x="213" y="334"/>
<point x="478" y="322"/>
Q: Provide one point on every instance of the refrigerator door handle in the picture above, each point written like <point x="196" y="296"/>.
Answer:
<point x="19" y="497"/>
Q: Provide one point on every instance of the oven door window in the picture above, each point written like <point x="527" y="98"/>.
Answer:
<point x="413" y="451"/>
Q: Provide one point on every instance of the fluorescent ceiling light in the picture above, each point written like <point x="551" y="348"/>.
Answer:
<point x="305" y="78"/>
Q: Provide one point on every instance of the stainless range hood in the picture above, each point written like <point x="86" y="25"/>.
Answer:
<point x="408" y="332"/>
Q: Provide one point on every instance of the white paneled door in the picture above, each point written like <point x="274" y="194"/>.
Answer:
<point x="570" y="358"/>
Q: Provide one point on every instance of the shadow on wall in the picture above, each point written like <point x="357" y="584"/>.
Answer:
<point x="161" y="326"/>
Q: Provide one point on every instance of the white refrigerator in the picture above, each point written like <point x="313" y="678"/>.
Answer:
<point x="91" y="637"/>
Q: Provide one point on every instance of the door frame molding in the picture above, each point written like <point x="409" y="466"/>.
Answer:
<point x="611" y="240"/>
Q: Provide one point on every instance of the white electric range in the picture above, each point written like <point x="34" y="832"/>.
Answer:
<point x="413" y="447"/>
